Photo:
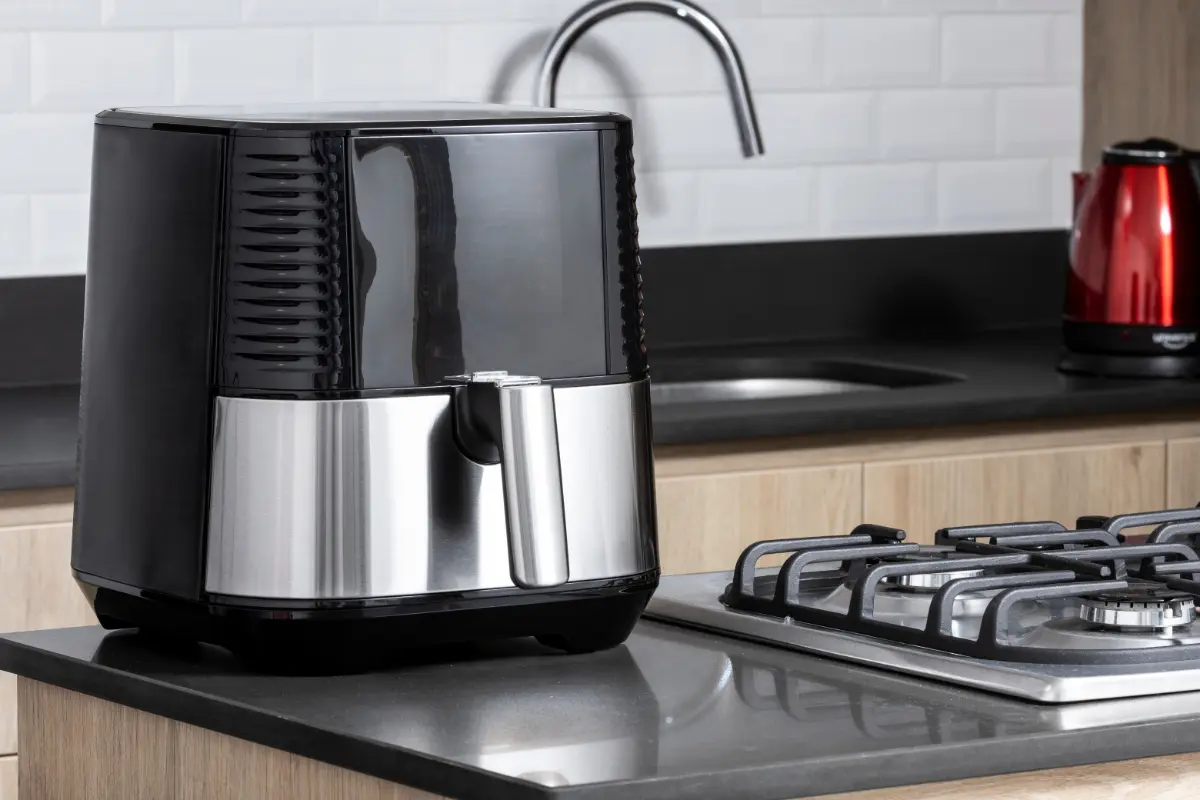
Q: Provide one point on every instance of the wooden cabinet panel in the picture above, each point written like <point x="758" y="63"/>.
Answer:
<point x="705" y="521"/>
<point x="1163" y="778"/>
<point x="8" y="778"/>
<point x="1141" y="70"/>
<point x="36" y="591"/>
<point x="921" y="496"/>
<point x="1183" y="473"/>
<point x="36" y="506"/>
<point x="80" y="748"/>
<point x="36" y="586"/>
<point x="8" y="714"/>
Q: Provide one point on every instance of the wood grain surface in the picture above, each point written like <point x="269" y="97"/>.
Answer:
<point x="924" y="495"/>
<point x="76" y="747"/>
<point x="8" y="778"/>
<point x="1165" y="778"/>
<point x="36" y="506"/>
<point x="36" y="591"/>
<point x="706" y="521"/>
<point x="895" y="445"/>
<point x="1183" y="473"/>
<point x="1141" y="72"/>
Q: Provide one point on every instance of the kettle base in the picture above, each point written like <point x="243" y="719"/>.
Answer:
<point x="328" y="641"/>
<point x="1129" y="366"/>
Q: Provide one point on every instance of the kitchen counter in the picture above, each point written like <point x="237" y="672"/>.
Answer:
<point x="987" y="378"/>
<point x="672" y="714"/>
<point x="1001" y="377"/>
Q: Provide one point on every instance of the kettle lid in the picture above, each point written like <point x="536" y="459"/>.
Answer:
<point x="1154" y="150"/>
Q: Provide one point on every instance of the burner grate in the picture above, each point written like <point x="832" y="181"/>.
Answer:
<point x="1017" y="563"/>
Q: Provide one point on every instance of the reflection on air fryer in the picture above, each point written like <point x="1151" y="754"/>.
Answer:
<point x="669" y="702"/>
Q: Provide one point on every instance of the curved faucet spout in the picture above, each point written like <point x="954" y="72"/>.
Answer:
<point x="587" y="16"/>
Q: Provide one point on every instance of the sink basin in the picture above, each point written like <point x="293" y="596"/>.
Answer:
<point x="724" y="390"/>
<point x="731" y="380"/>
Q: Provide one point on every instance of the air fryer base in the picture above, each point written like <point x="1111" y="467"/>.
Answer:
<point x="343" y="639"/>
<point x="1129" y="366"/>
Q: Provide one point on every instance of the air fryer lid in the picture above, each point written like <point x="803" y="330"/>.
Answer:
<point x="425" y="116"/>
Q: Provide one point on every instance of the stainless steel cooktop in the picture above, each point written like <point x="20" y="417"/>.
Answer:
<point x="1033" y="610"/>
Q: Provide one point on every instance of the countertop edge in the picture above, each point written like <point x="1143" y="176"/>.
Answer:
<point x="811" y="777"/>
<point x="404" y="767"/>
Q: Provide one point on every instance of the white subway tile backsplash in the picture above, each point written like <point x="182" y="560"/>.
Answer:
<point x="14" y="233"/>
<point x="996" y="49"/>
<point x="494" y="61"/>
<point x="49" y="14"/>
<point x="834" y="7"/>
<point x="45" y="152"/>
<point x="879" y="116"/>
<point x="668" y="207"/>
<point x="468" y="10"/>
<point x="806" y="128"/>
<point x="14" y="71"/>
<point x="937" y="123"/>
<point x="170" y="13"/>
<point x="676" y="132"/>
<point x="997" y="194"/>
<point x="391" y="62"/>
<point x="1038" y="120"/>
<point x="1066" y="48"/>
<point x="758" y="204"/>
<point x="59" y="232"/>
<point x="1075" y="6"/>
<point x="302" y="12"/>
<point x="725" y="10"/>
<point x="881" y="51"/>
<point x="877" y="199"/>
<point x="88" y="71"/>
<point x="243" y="66"/>
<point x="642" y="54"/>
<point x="786" y="53"/>
<point x="927" y="6"/>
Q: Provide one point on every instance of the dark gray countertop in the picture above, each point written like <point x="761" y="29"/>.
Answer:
<point x="671" y="714"/>
<point x="1004" y="377"/>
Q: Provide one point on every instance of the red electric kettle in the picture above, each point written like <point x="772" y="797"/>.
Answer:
<point x="1133" y="293"/>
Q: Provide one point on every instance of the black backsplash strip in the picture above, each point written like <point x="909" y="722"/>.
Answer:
<point x="41" y="330"/>
<point x="903" y="288"/>
<point x="915" y="287"/>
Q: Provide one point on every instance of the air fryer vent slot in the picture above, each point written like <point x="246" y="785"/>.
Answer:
<point x="285" y="265"/>
<point x="629" y="256"/>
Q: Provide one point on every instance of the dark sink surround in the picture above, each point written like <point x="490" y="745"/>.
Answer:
<point x="887" y="288"/>
<point x="913" y="288"/>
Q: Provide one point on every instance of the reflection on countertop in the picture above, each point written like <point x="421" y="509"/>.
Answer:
<point x="672" y="713"/>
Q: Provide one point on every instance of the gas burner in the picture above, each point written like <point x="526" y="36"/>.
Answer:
<point x="1139" y="607"/>
<point x="930" y="581"/>
<point x="1026" y="608"/>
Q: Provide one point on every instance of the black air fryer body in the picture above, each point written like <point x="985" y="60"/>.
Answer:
<point x="358" y="379"/>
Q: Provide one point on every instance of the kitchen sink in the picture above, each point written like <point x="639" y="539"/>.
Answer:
<point x="731" y="380"/>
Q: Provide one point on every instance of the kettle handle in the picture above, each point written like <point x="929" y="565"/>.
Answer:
<point x="514" y="417"/>
<point x="1079" y="184"/>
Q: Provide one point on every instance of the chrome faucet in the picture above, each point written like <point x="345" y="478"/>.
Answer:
<point x="735" y="74"/>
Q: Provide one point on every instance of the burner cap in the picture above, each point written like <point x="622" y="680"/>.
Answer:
<point x="1139" y="607"/>
<point x="931" y="581"/>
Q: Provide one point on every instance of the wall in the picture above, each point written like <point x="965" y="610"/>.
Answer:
<point x="879" y="116"/>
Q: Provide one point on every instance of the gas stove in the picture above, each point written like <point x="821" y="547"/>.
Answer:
<point x="1030" y="609"/>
